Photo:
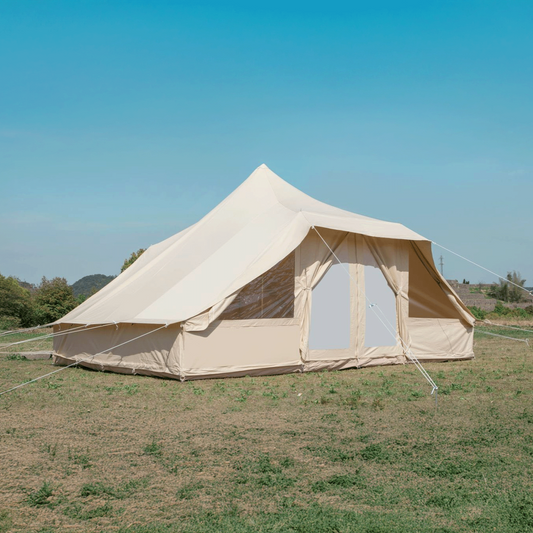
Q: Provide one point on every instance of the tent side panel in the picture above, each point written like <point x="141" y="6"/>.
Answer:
<point x="62" y="361"/>
<point x="157" y="353"/>
<point x="435" y="339"/>
<point x="430" y="295"/>
<point x="230" y="349"/>
<point x="426" y="298"/>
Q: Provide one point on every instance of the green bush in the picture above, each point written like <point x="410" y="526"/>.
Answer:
<point x="478" y="312"/>
<point x="16" y="357"/>
<point x="501" y="311"/>
<point x="9" y="322"/>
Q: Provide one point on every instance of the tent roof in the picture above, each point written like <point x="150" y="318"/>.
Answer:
<point x="256" y="226"/>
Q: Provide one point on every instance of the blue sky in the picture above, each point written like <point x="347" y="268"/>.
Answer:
<point x="121" y="123"/>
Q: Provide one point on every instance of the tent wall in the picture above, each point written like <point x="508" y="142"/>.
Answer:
<point x="306" y="313"/>
<point x="441" y="339"/>
<point x="156" y="354"/>
<point x="423" y="254"/>
<point x="256" y="333"/>
<point x="232" y="348"/>
<point x="371" y="269"/>
<point x="426" y="298"/>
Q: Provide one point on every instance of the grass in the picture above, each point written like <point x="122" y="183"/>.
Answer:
<point x="353" y="451"/>
<point x="38" y="344"/>
<point x="41" y="496"/>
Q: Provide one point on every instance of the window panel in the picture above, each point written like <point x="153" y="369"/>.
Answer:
<point x="271" y="295"/>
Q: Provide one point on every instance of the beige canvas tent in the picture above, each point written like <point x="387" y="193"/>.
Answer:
<point x="271" y="281"/>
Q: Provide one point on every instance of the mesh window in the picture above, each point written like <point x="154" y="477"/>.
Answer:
<point x="271" y="295"/>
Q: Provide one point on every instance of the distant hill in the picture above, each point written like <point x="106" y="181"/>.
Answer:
<point x="88" y="285"/>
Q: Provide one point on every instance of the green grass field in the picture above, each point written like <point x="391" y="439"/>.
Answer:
<point x="353" y="451"/>
<point x="40" y="342"/>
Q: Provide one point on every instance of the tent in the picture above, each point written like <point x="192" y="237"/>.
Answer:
<point x="271" y="281"/>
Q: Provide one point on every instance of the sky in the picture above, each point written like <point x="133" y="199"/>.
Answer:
<point x="121" y="123"/>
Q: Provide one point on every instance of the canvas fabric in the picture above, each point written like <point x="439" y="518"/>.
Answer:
<point x="235" y="291"/>
<point x="253" y="229"/>
<point x="153" y="353"/>
<point x="238" y="340"/>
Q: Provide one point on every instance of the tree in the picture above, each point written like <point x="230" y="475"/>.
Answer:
<point x="132" y="258"/>
<point x="515" y="293"/>
<point x="53" y="299"/>
<point x="16" y="308"/>
<point x="507" y="292"/>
